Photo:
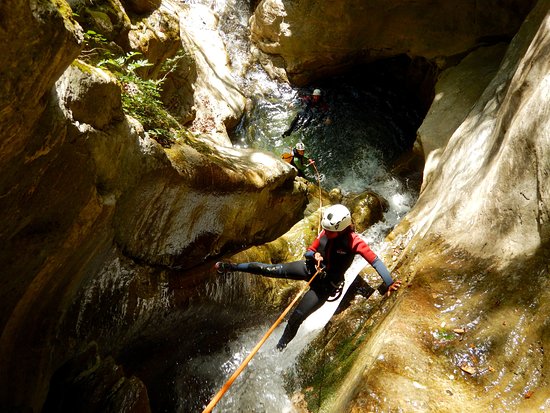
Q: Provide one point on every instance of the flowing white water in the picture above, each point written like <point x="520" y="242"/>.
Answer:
<point x="347" y="159"/>
<point x="261" y="386"/>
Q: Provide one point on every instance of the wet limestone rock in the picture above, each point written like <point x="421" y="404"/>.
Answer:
<point x="63" y="195"/>
<point x="473" y="254"/>
<point x="157" y="38"/>
<point x="27" y="71"/>
<point x="218" y="100"/>
<point x="366" y="209"/>
<point x="311" y="39"/>
<point x="499" y="157"/>
<point x="107" y="18"/>
<point x="171" y="220"/>
<point x="81" y="87"/>
<point x="457" y="90"/>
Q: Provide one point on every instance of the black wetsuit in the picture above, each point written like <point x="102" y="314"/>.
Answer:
<point x="311" y="109"/>
<point x="338" y="254"/>
<point x="300" y="162"/>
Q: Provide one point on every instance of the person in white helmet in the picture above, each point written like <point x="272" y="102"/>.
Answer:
<point x="333" y="250"/>
<point x="299" y="160"/>
<point x="313" y="107"/>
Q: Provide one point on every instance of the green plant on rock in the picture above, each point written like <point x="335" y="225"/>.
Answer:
<point x="141" y="97"/>
<point x="172" y="63"/>
<point x="96" y="47"/>
<point x="93" y="37"/>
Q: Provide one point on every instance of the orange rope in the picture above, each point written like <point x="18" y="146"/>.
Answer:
<point x="229" y="382"/>
<point x="320" y="195"/>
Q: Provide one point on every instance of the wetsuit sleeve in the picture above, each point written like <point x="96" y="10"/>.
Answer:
<point x="315" y="245"/>
<point x="309" y="254"/>
<point x="362" y="248"/>
<point x="382" y="271"/>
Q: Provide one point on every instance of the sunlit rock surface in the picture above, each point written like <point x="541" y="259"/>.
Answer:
<point x="218" y="100"/>
<point x="218" y="195"/>
<point x="157" y="37"/>
<point x="499" y="156"/>
<point x="457" y="90"/>
<point x="308" y="39"/>
<point x="81" y="86"/>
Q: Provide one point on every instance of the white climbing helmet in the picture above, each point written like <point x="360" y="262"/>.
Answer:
<point x="336" y="218"/>
<point x="317" y="92"/>
<point x="300" y="146"/>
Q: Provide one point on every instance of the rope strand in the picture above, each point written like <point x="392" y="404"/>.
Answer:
<point x="245" y="362"/>
<point x="318" y="176"/>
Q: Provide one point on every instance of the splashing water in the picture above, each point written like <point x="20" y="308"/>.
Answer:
<point x="261" y="386"/>
<point x="352" y="152"/>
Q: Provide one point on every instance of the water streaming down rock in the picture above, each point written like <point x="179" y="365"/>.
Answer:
<point x="370" y="126"/>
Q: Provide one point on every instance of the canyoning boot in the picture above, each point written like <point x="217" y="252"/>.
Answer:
<point x="281" y="346"/>
<point x="223" y="267"/>
<point x="288" y="335"/>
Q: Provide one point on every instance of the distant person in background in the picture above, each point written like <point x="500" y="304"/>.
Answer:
<point x="330" y="255"/>
<point x="298" y="159"/>
<point x="314" y="106"/>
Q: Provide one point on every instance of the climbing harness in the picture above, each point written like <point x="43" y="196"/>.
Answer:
<point x="245" y="362"/>
<point x="338" y="290"/>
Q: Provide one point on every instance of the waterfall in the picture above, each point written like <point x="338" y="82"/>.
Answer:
<point x="354" y="153"/>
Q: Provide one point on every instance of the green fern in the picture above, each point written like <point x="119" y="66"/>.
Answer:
<point x="141" y="98"/>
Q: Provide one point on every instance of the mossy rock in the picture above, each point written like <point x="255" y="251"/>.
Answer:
<point x="367" y="208"/>
<point x="106" y="17"/>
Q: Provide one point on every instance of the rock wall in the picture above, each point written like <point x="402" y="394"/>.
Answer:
<point x="457" y="90"/>
<point x="499" y="156"/>
<point x="82" y="183"/>
<point x="308" y="39"/>
<point x="473" y="254"/>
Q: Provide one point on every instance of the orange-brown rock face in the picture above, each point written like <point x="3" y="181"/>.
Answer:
<point x="72" y="168"/>
<point x="312" y="38"/>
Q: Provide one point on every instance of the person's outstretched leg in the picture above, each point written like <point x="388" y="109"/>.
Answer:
<point x="306" y="118"/>
<point x="292" y="125"/>
<point x="309" y="303"/>
<point x="296" y="270"/>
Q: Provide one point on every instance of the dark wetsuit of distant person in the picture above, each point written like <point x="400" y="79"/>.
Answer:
<point x="313" y="107"/>
<point x="299" y="161"/>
